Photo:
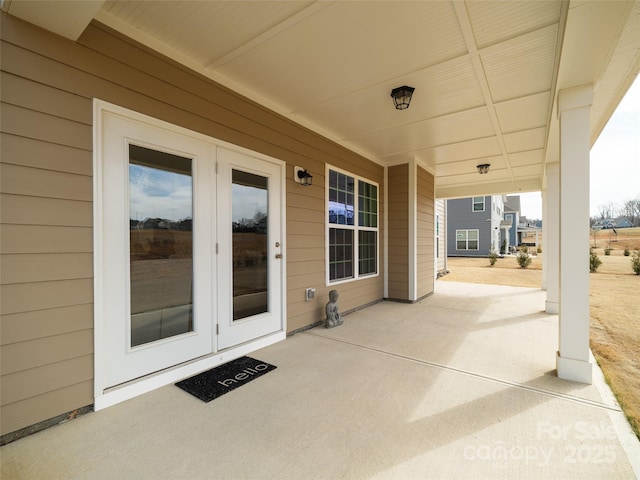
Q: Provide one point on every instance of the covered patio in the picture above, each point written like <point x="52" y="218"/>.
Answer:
<point x="430" y="387"/>
<point x="458" y="385"/>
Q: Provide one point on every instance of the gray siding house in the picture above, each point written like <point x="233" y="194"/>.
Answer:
<point x="512" y="216"/>
<point x="473" y="225"/>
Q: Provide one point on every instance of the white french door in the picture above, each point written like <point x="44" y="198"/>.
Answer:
<point x="250" y="247"/>
<point x="188" y="253"/>
<point x="157" y="263"/>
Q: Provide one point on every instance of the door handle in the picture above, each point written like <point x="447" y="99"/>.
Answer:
<point x="278" y="255"/>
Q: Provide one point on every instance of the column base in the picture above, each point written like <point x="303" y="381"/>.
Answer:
<point x="552" y="307"/>
<point x="574" y="370"/>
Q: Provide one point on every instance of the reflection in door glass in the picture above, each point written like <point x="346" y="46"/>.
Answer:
<point x="250" y="244"/>
<point x="161" y="245"/>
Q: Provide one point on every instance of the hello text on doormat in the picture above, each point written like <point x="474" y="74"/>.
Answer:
<point x="216" y="382"/>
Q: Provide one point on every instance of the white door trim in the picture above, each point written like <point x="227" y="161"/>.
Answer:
<point x="104" y="396"/>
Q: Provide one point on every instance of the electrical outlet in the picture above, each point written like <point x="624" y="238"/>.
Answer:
<point x="310" y="294"/>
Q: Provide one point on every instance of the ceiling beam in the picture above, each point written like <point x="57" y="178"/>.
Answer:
<point x="474" y="55"/>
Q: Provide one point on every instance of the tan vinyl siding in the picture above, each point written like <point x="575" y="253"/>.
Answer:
<point x="48" y="87"/>
<point x="424" y="233"/>
<point x="398" y="224"/>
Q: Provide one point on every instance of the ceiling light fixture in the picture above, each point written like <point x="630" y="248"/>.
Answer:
<point x="402" y="97"/>
<point x="483" y="168"/>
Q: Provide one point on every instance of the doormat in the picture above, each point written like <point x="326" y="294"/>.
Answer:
<point x="216" y="382"/>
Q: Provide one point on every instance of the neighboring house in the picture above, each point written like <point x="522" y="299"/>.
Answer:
<point x="605" y="223"/>
<point x="474" y="225"/>
<point x="512" y="220"/>
<point x="529" y="233"/>
<point x="441" y="237"/>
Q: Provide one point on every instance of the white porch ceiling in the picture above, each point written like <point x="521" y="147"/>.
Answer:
<point x="486" y="73"/>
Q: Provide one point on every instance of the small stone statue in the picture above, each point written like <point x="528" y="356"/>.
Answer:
<point x="333" y="315"/>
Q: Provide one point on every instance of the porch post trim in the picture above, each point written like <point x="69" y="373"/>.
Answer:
<point x="573" y="358"/>
<point x="551" y="227"/>
<point x="413" y="231"/>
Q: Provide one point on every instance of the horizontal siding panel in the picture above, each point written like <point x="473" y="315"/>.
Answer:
<point x="296" y="322"/>
<point x="17" y="357"/>
<point x="37" y="381"/>
<point x="298" y="195"/>
<point x="305" y="228"/>
<point x="301" y="282"/>
<point x="304" y="255"/>
<point x="42" y="98"/>
<point x="398" y="213"/>
<point x="43" y="407"/>
<point x="314" y="200"/>
<point x="310" y="275"/>
<point x="46" y="239"/>
<point x="21" y="327"/>
<point x="28" y="297"/>
<point x="305" y="241"/>
<point x="315" y="215"/>
<point x="399" y="264"/>
<point x="301" y="268"/>
<point x="49" y="156"/>
<point x="23" y="210"/>
<point x="23" y="268"/>
<point x="398" y="292"/>
<point x="300" y="308"/>
<point x="29" y="123"/>
<point x="36" y="182"/>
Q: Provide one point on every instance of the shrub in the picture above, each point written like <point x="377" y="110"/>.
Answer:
<point x="635" y="262"/>
<point x="594" y="260"/>
<point x="539" y="249"/>
<point x="607" y="251"/>
<point x="626" y="252"/>
<point x="493" y="257"/>
<point x="523" y="258"/>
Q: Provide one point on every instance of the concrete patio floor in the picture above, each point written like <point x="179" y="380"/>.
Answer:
<point x="459" y="385"/>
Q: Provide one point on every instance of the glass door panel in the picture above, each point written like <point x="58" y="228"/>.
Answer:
<point x="161" y="245"/>
<point x="250" y="244"/>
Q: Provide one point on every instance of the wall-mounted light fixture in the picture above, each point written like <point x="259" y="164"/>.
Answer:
<point x="303" y="177"/>
<point x="483" y="168"/>
<point x="402" y="97"/>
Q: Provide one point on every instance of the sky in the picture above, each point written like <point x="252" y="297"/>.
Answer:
<point x="615" y="161"/>
<point x="156" y="193"/>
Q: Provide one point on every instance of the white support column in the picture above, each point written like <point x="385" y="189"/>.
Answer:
<point x="573" y="356"/>
<point x="552" y="238"/>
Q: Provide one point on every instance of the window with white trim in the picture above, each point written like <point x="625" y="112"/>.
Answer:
<point x="477" y="204"/>
<point x="352" y="231"/>
<point x="467" y="240"/>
